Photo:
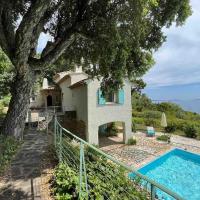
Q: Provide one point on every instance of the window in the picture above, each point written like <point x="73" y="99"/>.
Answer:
<point x="111" y="98"/>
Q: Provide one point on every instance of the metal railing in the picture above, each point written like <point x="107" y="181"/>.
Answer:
<point x="75" y="151"/>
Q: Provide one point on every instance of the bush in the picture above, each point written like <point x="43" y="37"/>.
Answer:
<point x="152" y="122"/>
<point x="132" y="141"/>
<point x="6" y="100"/>
<point x="137" y="114"/>
<point x="66" y="182"/>
<point x="152" y="114"/>
<point x="171" y="128"/>
<point x="133" y="127"/>
<point x="165" y="138"/>
<point x="111" y="130"/>
<point x="138" y="120"/>
<point x="190" y="130"/>
<point x="8" y="147"/>
<point x="1" y="108"/>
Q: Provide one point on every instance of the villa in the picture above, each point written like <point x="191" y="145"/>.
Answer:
<point x="80" y="99"/>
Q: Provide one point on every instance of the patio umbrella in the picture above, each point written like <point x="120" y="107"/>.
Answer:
<point x="163" y="120"/>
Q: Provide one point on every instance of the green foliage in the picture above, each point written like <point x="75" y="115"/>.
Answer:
<point x="170" y="128"/>
<point x="152" y="122"/>
<point x="8" y="148"/>
<point x="190" y="130"/>
<point x="138" y="120"/>
<point x="5" y="100"/>
<point x="164" y="138"/>
<point x="168" y="107"/>
<point x="66" y="182"/>
<point x="151" y="114"/>
<point x="140" y="102"/>
<point x="111" y="130"/>
<point x="6" y="74"/>
<point x="132" y="141"/>
<point x="133" y="126"/>
<point x="179" y="121"/>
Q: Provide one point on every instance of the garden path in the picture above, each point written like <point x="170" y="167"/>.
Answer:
<point x="23" y="180"/>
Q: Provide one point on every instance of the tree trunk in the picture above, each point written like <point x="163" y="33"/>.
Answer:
<point x="14" y="122"/>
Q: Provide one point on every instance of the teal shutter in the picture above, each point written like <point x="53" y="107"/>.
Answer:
<point x="101" y="99"/>
<point x="121" y="96"/>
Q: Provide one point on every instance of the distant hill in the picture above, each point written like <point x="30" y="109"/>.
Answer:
<point x="187" y="96"/>
<point x="189" y="105"/>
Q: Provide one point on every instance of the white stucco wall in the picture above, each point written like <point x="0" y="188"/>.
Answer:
<point x="79" y="99"/>
<point x="102" y="114"/>
<point x="38" y="102"/>
<point x="66" y="96"/>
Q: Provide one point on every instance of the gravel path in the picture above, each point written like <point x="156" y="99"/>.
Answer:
<point x="23" y="179"/>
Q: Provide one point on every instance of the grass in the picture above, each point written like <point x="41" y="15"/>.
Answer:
<point x="131" y="141"/>
<point x="8" y="148"/>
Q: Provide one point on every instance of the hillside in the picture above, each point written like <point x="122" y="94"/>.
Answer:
<point x="181" y="122"/>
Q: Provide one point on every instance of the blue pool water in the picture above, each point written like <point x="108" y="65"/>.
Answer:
<point x="177" y="170"/>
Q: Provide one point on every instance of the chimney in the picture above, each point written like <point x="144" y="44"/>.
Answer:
<point x="45" y="83"/>
<point x="78" y="69"/>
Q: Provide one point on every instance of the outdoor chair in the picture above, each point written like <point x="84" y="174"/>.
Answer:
<point x="150" y="131"/>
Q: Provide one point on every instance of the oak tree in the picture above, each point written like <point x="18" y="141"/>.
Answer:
<point x="113" y="38"/>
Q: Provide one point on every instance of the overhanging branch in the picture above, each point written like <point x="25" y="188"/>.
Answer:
<point x="26" y="29"/>
<point x="53" y="55"/>
<point x="6" y="39"/>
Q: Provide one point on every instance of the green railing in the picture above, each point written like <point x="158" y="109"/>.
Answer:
<point x="75" y="152"/>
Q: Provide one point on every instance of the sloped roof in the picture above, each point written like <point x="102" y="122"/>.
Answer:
<point x="78" y="84"/>
<point x="60" y="77"/>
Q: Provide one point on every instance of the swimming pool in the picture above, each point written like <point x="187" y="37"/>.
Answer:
<point x="179" y="171"/>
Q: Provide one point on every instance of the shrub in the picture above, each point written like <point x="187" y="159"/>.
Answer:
<point x="6" y="100"/>
<point x="170" y="128"/>
<point x="137" y="114"/>
<point x="133" y="127"/>
<point x="8" y="147"/>
<point x="165" y="138"/>
<point x="1" y="108"/>
<point x="111" y="130"/>
<point x="66" y="182"/>
<point x="190" y="130"/>
<point x="138" y="120"/>
<point x="132" y="141"/>
<point x="152" y="122"/>
<point x="152" y="114"/>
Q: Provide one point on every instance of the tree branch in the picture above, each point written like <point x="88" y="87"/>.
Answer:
<point x="26" y="29"/>
<point x="54" y="54"/>
<point x="6" y="33"/>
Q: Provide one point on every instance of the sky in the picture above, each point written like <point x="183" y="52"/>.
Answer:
<point x="176" y="74"/>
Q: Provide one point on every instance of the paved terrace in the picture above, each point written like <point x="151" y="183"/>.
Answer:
<point x="146" y="149"/>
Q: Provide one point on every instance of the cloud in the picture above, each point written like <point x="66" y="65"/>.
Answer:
<point x="177" y="61"/>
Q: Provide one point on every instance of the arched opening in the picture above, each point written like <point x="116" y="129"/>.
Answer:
<point x="49" y="100"/>
<point x="111" y="133"/>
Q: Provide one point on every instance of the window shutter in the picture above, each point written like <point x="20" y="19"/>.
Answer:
<point x="121" y="96"/>
<point x="101" y="99"/>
